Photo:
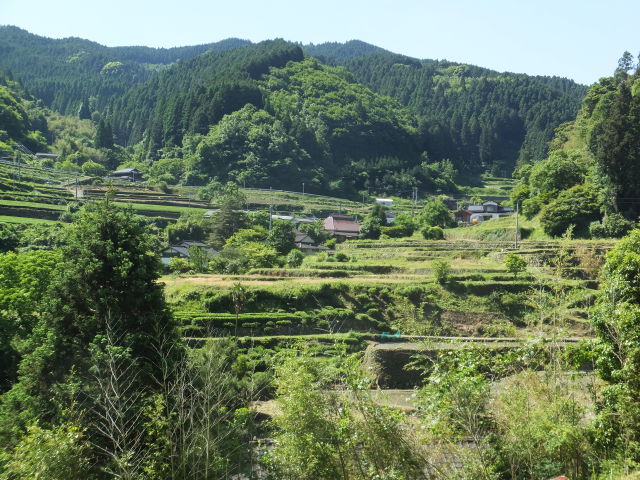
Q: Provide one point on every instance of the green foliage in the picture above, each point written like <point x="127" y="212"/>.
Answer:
<point x="435" y="213"/>
<point x="61" y="453"/>
<point x="189" y="227"/>
<point x="403" y="226"/>
<point x="331" y="435"/>
<point x="294" y="258"/>
<point x="577" y="206"/>
<point x="515" y="263"/>
<point x="209" y="191"/>
<point x="515" y="122"/>
<point x="441" y="271"/>
<point x="617" y="323"/>
<point x="93" y="169"/>
<point x="105" y="280"/>
<point x="540" y="428"/>
<point x="21" y="121"/>
<point x="104" y="135"/>
<point x="432" y="233"/>
<point x="244" y="257"/>
<point x="373" y="223"/>
<point x="199" y="259"/>
<point x="613" y="225"/>
<point x="179" y="265"/>
<point x="561" y="170"/>
<point x="253" y="234"/>
<point x="315" y="230"/>
<point x="252" y="147"/>
<point x="282" y="236"/>
<point x="24" y="280"/>
<point x="229" y="218"/>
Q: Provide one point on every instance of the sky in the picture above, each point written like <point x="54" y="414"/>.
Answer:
<point x="578" y="39"/>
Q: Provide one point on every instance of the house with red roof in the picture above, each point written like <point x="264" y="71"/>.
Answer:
<point x="343" y="226"/>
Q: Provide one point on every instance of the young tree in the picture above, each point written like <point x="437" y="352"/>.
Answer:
<point x="230" y="217"/>
<point x="435" y="213"/>
<point x="282" y="236"/>
<point x="515" y="263"/>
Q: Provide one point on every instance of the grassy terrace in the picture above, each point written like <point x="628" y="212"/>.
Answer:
<point x="162" y="208"/>
<point x="389" y="285"/>
<point x="36" y="205"/>
<point x="25" y="220"/>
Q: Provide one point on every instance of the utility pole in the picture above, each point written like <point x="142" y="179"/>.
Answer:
<point x="517" y="212"/>
<point x="302" y="188"/>
<point x="270" y="215"/>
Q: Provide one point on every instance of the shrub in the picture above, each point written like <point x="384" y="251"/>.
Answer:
<point x="295" y="258"/>
<point x="436" y="213"/>
<point x="441" y="271"/>
<point x="179" y="265"/>
<point x="616" y="225"/>
<point x="58" y="454"/>
<point x="432" y="233"/>
<point x="531" y="207"/>
<point x="515" y="263"/>
<point x="341" y="257"/>
<point x="597" y="230"/>
<point x="577" y="206"/>
<point x="330" y="243"/>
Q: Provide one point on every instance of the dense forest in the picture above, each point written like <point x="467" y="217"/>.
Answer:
<point x="159" y="103"/>
<point x="478" y="118"/>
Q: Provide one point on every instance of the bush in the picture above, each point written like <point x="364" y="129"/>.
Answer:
<point x="515" y="263"/>
<point x="179" y="265"/>
<point x="58" y="454"/>
<point x="330" y="243"/>
<point x="341" y="257"/>
<point x="597" y="230"/>
<point x="436" y="213"/>
<point x="577" y="206"/>
<point x="616" y="225"/>
<point x="441" y="271"/>
<point x="295" y="258"/>
<point x="432" y="233"/>
<point x="531" y="207"/>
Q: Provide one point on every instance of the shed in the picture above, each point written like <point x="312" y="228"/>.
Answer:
<point x="386" y="202"/>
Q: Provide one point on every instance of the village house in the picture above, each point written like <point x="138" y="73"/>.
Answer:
<point x="480" y="213"/>
<point x="181" y="250"/>
<point x="342" y="226"/>
<point x="306" y="245"/>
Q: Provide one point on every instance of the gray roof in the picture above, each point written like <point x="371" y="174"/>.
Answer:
<point x="124" y="171"/>
<point x="182" y="248"/>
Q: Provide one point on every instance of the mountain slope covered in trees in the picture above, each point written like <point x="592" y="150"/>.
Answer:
<point x="66" y="72"/>
<point x="161" y="102"/>
<point x="474" y="116"/>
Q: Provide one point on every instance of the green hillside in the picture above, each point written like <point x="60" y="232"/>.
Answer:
<point x="479" y="118"/>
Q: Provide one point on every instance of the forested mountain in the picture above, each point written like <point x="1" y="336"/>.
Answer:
<point x="64" y="72"/>
<point x="476" y="117"/>
<point x="193" y="95"/>
<point x="21" y="118"/>
<point x="161" y="102"/>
